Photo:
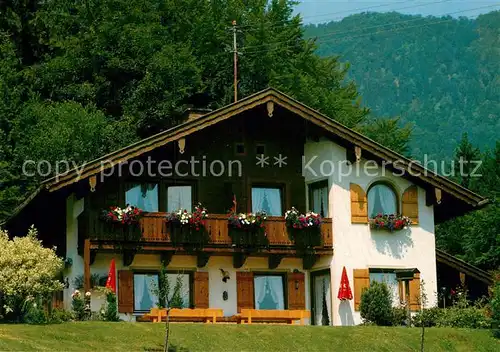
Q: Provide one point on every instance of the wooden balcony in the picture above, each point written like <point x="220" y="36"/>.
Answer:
<point x="155" y="233"/>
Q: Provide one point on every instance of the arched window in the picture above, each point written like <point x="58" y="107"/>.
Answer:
<point x="382" y="200"/>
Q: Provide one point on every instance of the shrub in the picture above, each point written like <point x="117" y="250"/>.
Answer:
<point x="34" y="313"/>
<point x="495" y="309"/>
<point x="470" y="317"/>
<point x="59" y="315"/>
<point x="78" y="305"/>
<point x="111" y="308"/>
<point x="399" y="316"/>
<point x="27" y="270"/>
<point x="428" y="317"/>
<point x="376" y="304"/>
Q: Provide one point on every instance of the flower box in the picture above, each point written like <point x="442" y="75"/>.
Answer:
<point x="389" y="222"/>
<point x="247" y="230"/>
<point x="188" y="229"/>
<point x="304" y="230"/>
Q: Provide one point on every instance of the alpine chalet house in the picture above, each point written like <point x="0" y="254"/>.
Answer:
<point x="265" y="153"/>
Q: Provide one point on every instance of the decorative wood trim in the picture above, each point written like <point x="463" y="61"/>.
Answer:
<point x="239" y="259"/>
<point x="308" y="261"/>
<point x="357" y="153"/>
<point x="166" y="258"/>
<point x="270" y="108"/>
<point x="128" y="256"/>
<point x="202" y="259"/>
<point x="415" y="293"/>
<point x="274" y="260"/>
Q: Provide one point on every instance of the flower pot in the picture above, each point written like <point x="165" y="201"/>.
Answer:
<point x="249" y="237"/>
<point x="306" y="237"/>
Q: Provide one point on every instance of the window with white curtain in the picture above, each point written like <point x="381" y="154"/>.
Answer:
<point x="268" y="200"/>
<point x="145" y="286"/>
<point x="318" y="194"/>
<point x="382" y="200"/>
<point x="269" y="292"/>
<point x="143" y="195"/>
<point x="179" y="197"/>
<point x="389" y="278"/>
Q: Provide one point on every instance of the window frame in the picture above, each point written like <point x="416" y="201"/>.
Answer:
<point x="139" y="182"/>
<point x="316" y="185"/>
<point x="284" y="280"/>
<point x="149" y="272"/>
<point x="163" y="185"/>
<point x="276" y="185"/>
<point x="190" y="274"/>
<point x="391" y="187"/>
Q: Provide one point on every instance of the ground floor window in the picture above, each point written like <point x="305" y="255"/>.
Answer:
<point x="389" y="278"/>
<point x="269" y="291"/>
<point x="144" y="291"/>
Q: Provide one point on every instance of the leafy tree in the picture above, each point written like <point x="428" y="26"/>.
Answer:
<point x="27" y="270"/>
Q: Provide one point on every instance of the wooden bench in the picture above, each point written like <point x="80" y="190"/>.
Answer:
<point x="248" y="316"/>
<point x="158" y="315"/>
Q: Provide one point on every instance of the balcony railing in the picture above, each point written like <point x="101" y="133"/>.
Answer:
<point x="153" y="228"/>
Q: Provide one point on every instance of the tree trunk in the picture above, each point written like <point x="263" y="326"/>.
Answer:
<point x="167" y="330"/>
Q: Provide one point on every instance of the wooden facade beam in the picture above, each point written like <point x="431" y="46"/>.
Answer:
<point x="86" y="265"/>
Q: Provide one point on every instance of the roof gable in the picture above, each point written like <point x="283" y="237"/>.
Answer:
<point x="250" y="102"/>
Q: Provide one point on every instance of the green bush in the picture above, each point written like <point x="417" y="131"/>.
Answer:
<point x="111" y="308"/>
<point x="495" y="309"/>
<point x="428" y="317"/>
<point x="454" y="317"/>
<point x="59" y="315"/>
<point x="34" y="313"/>
<point x="376" y="305"/>
<point x="399" y="316"/>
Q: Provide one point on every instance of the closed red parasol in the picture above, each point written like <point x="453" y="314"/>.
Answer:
<point x="111" y="281"/>
<point x="345" y="292"/>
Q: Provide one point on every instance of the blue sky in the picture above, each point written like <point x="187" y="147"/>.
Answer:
<point x="317" y="11"/>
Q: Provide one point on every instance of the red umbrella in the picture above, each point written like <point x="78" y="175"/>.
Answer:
<point x="345" y="292"/>
<point x="111" y="281"/>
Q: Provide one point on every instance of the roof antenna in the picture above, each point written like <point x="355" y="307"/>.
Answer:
<point x="235" y="59"/>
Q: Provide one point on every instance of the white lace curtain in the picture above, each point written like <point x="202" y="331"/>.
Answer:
<point x="143" y="196"/>
<point x="391" y="282"/>
<point x="144" y="296"/>
<point x="269" y="293"/>
<point x="381" y="200"/>
<point x="179" y="197"/>
<point x="322" y="294"/>
<point x="268" y="200"/>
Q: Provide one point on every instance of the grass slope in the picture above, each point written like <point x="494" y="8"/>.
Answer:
<point x="93" y="336"/>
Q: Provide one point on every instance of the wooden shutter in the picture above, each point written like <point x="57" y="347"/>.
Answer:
<point x="296" y="291"/>
<point x="125" y="291"/>
<point x="361" y="282"/>
<point x="415" y="293"/>
<point x="201" y="290"/>
<point x="359" y="205"/>
<point x="410" y="203"/>
<point x="244" y="288"/>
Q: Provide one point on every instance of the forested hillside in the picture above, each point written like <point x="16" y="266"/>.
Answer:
<point x="441" y="74"/>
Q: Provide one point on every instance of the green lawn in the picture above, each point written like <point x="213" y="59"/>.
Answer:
<point x="93" y="336"/>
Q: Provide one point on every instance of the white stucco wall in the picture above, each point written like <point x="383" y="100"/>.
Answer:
<point x="355" y="245"/>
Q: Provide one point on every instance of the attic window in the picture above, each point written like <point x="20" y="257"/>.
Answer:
<point x="240" y="148"/>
